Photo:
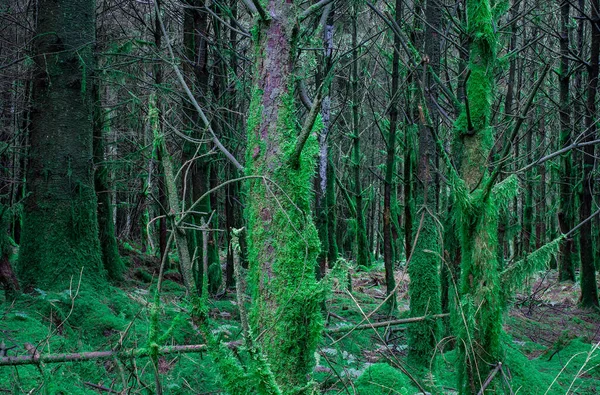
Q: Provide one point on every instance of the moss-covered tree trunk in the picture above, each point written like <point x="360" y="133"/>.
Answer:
<point x="106" y="227"/>
<point x="478" y="320"/>
<point x="589" y="287"/>
<point x="566" y="269"/>
<point x="283" y="240"/>
<point x="233" y="192"/>
<point x="332" y="244"/>
<point x="60" y="230"/>
<point x="363" y="254"/>
<point x="424" y="267"/>
<point x="390" y="171"/>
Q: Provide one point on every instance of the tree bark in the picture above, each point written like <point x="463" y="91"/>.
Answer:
<point x="589" y="287"/>
<point x="283" y="240"/>
<point x="424" y="267"/>
<point x="390" y="170"/>
<point x="60" y="232"/>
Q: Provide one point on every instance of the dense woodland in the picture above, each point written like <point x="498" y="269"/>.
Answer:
<point x="299" y="197"/>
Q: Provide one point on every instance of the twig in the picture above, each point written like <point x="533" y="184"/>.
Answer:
<point x="496" y="172"/>
<point x="313" y="8"/>
<point x="306" y="129"/>
<point x="385" y="323"/>
<point x="490" y="378"/>
<point x="192" y="99"/>
<point x="101" y="388"/>
<point x="261" y="11"/>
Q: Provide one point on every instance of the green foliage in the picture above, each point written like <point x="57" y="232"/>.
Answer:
<point x="515" y="275"/>
<point x="382" y="379"/>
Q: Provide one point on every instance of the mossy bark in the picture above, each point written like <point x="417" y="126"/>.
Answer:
<point x="589" y="287"/>
<point x="332" y="245"/>
<point x="283" y="240"/>
<point x="108" y="242"/>
<point x="424" y="267"/>
<point x="390" y="170"/>
<point x="479" y="317"/>
<point x="60" y="229"/>
<point x="363" y="255"/>
<point x="566" y="268"/>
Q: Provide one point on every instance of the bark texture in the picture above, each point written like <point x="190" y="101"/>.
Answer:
<point x="60" y="232"/>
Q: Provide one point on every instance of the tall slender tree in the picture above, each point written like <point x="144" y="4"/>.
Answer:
<point x="390" y="171"/>
<point x="424" y="267"/>
<point x="589" y="287"/>
<point x="566" y="268"/>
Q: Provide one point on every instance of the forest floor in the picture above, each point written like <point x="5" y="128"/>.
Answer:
<point x="549" y="340"/>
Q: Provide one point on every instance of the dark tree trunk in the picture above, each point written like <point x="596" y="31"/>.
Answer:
<point x="363" y="255"/>
<point x="589" y="287"/>
<point x="390" y="170"/>
<point x="60" y="231"/>
<point x="566" y="269"/>
<point x="322" y="208"/>
<point x="424" y="267"/>
<point x="106" y="227"/>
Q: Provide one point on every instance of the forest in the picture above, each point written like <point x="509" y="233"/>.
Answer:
<point x="296" y="197"/>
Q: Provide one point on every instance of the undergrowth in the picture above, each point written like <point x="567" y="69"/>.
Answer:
<point x="361" y="362"/>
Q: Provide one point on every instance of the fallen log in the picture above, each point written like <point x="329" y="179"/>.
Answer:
<point x="349" y="328"/>
<point x="38" y="358"/>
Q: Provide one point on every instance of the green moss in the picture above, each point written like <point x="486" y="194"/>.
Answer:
<point x="283" y="243"/>
<point x="382" y="379"/>
<point x="54" y="258"/>
<point x="424" y="292"/>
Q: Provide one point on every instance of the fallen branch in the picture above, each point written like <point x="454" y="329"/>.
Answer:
<point x="38" y="358"/>
<point x="384" y="323"/>
<point x="100" y="388"/>
<point x="490" y="378"/>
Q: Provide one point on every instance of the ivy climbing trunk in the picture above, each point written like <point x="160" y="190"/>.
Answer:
<point x="60" y="229"/>
<point x="283" y="240"/>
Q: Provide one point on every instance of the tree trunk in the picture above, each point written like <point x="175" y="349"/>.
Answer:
<point x="322" y="208"/>
<point x="60" y="231"/>
<point x="283" y="240"/>
<point x="424" y="267"/>
<point x="566" y="269"/>
<point x="476" y="215"/>
<point x="106" y="226"/>
<point x="363" y="255"/>
<point x="390" y="170"/>
<point x="589" y="287"/>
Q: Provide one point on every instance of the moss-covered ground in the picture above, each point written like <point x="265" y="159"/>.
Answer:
<point x="549" y="342"/>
